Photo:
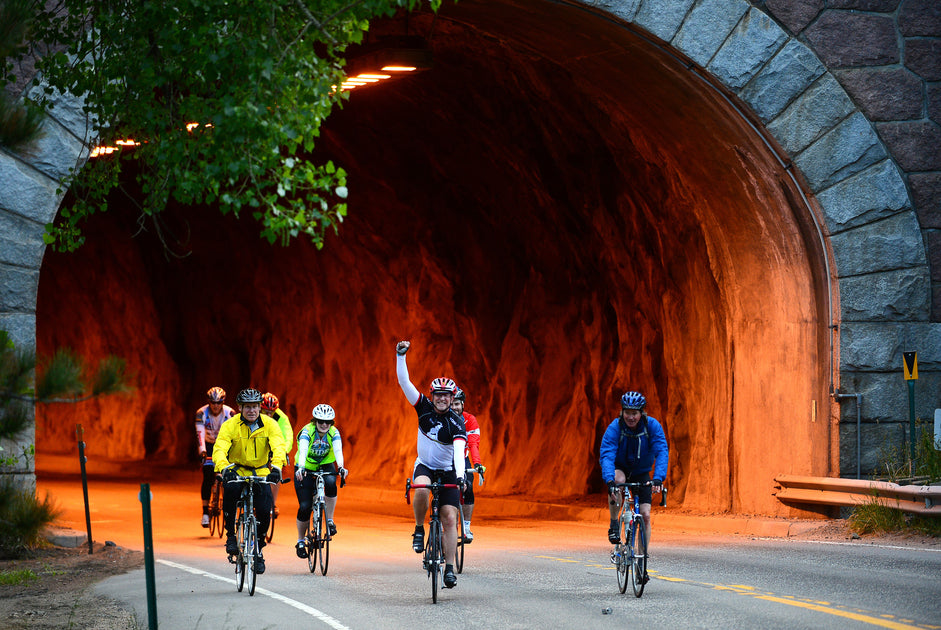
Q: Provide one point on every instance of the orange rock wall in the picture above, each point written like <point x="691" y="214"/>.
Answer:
<point x="576" y="237"/>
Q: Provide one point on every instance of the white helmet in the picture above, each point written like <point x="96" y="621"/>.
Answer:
<point x="323" y="412"/>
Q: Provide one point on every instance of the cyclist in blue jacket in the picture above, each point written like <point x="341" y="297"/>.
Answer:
<point x="633" y="444"/>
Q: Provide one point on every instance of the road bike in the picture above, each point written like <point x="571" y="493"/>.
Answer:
<point x="317" y="540"/>
<point x="459" y="556"/>
<point x="433" y="559"/>
<point x="630" y="553"/>
<point x="215" y="510"/>
<point x="246" y="526"/>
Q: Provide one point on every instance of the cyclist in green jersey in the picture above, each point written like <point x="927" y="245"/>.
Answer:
<point x="319" y="447"/>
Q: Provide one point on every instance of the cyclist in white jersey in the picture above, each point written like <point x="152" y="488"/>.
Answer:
<point x="209" y="418"/>
<point x="441" y="441"/>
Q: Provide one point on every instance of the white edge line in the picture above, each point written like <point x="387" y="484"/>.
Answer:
<point x="854" y="544"/>
<point x="313" y="612"/>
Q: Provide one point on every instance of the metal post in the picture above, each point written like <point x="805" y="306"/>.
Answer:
<point x="911" y="423"/>
<point x="79" y="432"/>
<point x="149" y="557"/>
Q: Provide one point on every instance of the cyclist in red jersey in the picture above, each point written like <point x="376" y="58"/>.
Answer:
<point x="441" y="442"/>
<point x="471" y="461"/>
<point x="270" y="407"/>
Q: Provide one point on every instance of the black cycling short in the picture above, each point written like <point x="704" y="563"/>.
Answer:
<point x="448" y="496"/>
<point x="644" y="493"/>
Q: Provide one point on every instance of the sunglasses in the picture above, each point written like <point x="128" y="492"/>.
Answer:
<point x="325" y="422"/>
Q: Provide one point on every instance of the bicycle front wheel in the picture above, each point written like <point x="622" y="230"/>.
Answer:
<point x="459" y="555"/>
<point x="251" y="549"/>
<point x="324" y="536"/>
<point x="240" y="557"/>
<point x="215" y="510"/>
<point x="436" y="561"/>
<point x="639" y="558"/>
<point x="622" y="555"/>
<point x="312" y="548"/>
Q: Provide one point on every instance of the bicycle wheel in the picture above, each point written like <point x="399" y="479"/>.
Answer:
<point x="270" y="533"/>
<point x="312" y="548"/>
<point x="240" y="558"/>
<point x="324" y="535"/>
<point x="459" y="555"/>
<point x="622" y="555"/>
<point x="435" y="566"/>
<point x="639" y="558"/>
<point x="215" y="513"/>
<point x="251" y="548"/>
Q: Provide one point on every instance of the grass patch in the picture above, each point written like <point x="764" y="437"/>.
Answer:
<point x="873" y="517"/>
<point x="17" y="577"/>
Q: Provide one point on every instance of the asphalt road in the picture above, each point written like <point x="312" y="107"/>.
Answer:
<point x="518" y="574"/>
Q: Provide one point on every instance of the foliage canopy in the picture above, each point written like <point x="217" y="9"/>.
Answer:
<point x="253" y="80"/>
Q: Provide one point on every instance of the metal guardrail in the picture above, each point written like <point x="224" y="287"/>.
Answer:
<point x="921" y="500"/>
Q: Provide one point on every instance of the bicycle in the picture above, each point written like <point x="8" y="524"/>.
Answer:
<point x="215" y="510"/>
<point x="630" y="553"/>
<point x="459" y="556"/>
<point x="274" y="516"/>
<point x="246" y="526"/>
<point x="317" y="541"/>
<point x="433" y="559"/>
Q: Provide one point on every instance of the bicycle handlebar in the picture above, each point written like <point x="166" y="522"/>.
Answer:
<point x="321" y="473"/>
<point x="409" y="486"/>
<point x="644" y="484"/>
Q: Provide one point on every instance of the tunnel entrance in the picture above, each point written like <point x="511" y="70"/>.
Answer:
<point x="556" y="212"/>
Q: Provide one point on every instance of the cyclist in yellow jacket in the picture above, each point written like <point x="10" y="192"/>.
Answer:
<point x="248" y="444"/>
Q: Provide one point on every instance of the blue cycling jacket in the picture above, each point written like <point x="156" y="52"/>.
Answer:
<point x="635" y="451"/>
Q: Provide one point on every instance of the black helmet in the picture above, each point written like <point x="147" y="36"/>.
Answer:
<point x="459" y="396"/>
<point x="248" y="396"/>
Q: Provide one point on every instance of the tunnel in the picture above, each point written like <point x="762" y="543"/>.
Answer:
<point x="559" y="210"/>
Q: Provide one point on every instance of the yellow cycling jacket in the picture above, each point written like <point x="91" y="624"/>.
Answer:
<point x="253" y="450"/>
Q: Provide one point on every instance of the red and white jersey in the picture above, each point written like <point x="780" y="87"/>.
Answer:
<point x="472" y="451"/>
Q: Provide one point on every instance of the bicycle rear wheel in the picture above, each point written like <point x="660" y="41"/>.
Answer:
<point x="435" y="552"/>
<point x="622" y="555"/>
<point x="324" y="536"/>
<point x="459" y="556"/>
<point x="639" y="558"/>
<point x="251" y="548"/>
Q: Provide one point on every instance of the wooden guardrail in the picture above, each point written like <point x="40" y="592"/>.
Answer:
<point x="922" y="500"/>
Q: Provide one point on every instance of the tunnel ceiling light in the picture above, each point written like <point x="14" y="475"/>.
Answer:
<point x="388" y="58"/>
<point x="103" y="149"/>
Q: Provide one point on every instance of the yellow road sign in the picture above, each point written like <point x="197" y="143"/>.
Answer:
<point x="910" y="365"/>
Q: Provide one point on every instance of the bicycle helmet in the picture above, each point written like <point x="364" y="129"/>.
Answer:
<point x="248" y="396"/>
<point x="323" y="412"/>
<point x="216" y="395"/>
<point x="459" y="396"/>
<point x="443" y="385"/>
<point x="633" y="400"/>
<point x="269" y="402"/>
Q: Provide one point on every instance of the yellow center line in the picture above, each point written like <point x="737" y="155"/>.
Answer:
<point x="884" y="621"/>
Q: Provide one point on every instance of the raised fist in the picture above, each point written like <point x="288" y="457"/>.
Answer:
<point x="402" y="347"/>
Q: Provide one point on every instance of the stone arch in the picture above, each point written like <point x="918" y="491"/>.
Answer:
<point x="867" y="220"/>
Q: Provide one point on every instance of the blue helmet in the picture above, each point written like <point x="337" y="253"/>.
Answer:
<point x="633" y="400"/>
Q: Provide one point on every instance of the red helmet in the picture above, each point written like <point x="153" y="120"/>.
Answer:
<point x="269" y="402"/>
<point x="216" y="395"/>
<point x="443" y="385"/>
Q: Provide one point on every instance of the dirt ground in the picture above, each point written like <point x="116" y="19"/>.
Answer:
<point x="61" y="596"/>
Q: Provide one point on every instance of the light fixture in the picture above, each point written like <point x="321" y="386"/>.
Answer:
<point x="387" y="58"/>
